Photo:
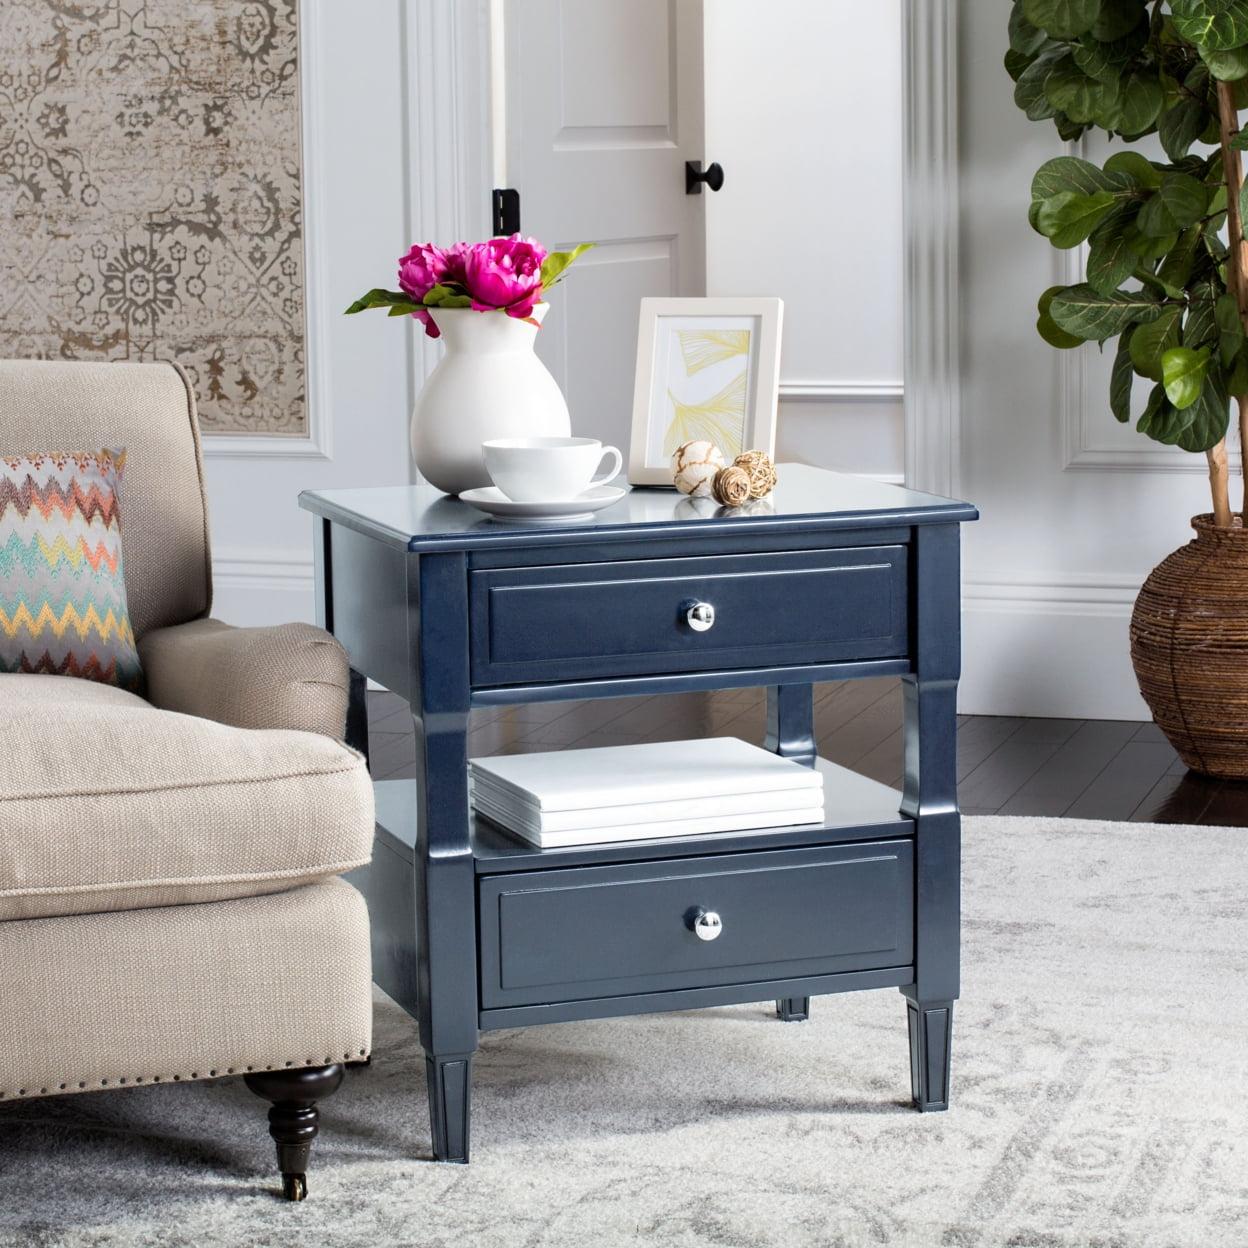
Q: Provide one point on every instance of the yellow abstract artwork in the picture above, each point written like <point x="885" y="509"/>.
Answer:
<point x="719" y="419"/>
<point x="702" y="348"/>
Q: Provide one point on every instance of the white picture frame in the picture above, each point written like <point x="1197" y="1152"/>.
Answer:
<point x="706" y="369"/>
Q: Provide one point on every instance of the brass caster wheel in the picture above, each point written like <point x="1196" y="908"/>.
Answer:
<point x="295" y="1186"/>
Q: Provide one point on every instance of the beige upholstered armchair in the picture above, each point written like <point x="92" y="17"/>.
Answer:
<point x="170" y="907"/>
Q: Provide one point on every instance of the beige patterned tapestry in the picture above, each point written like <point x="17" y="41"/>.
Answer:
<point x="150" y="195"/>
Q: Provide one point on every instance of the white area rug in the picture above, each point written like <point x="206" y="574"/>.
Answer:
<point x="1100" y="1067"/>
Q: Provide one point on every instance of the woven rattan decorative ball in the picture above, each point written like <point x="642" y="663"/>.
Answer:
<point x="731" y="486"/>
<point x="694" y="466"/>
<point x="762" y="472"/>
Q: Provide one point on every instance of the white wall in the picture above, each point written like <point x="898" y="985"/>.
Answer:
<point x="1075" y="508"/>
<point x="803" y="110"/>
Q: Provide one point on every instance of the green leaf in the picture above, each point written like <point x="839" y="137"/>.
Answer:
<point x="1138" y="168"/>
<point x="1153" y="282"/>
<point x="1048" y="327"/>
<point x="556" y="263"/>
<point x="447" y="296"/>
<point x="1088" y="314"/>
<point x="1227" y="65"/>
<point x="1064" y="19"/>
<point x="1106" y="62"/>
<point x="1209" y="415"/>
<point x="1069" y="173"/>
<point x="1150" y="342"/>
<point x="1230" y="328"/>
<point x="1239" y="141"/>
<point x="1176" y="267"/>
<point x="1200" y="328"/>
<point x="378" y="298"/>
<point x="1122" y="378"/>
<point x="1070" y="131"/>
<point x="1215" y="24"/>
<point x="1029" y="90"/>
<point x="1140" y="102"/>
<point x="1110" y="258"/>
<point x="1144" y="245"/>
<point x="1180" y="126"/>
<point x="1025" y="39"/>
<point x="1180" y="201"/>
<point x="1081" y="98"/>
<point x="1237" y="382"/>
<point x="1016" y="63"/>
<point x="1119" y="18"/>
<point x="1067" y="219"/>
<point x="1160" y="420"/>
<point x="1183" y="374"/>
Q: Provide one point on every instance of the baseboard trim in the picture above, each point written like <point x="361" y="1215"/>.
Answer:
<point x="257" y="587"/>
<point x="1053" y="647"/>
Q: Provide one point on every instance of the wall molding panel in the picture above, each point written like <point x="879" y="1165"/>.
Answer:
<point x="848" y="390"/>
<point x="932" y="305"/>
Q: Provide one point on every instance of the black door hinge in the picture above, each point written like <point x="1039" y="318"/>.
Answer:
<point x="506" y="211"/>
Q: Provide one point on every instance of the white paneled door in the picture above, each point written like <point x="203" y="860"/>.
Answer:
<point x="602" y="105"/>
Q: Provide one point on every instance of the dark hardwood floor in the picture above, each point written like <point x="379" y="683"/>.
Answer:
<point x="1089" y="769"/>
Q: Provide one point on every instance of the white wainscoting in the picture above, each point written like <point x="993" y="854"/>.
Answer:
<point x="1049" y="646"/>
<point x="254" y="586"/>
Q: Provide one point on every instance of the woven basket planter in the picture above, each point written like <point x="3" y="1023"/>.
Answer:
<point x="1189" y="645"/>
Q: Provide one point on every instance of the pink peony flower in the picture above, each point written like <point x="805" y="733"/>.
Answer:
<point x="456" y="257"/>
<point x="422" y="269"/>
<point x="505" y="273"/>
<point x="419" y="272"/>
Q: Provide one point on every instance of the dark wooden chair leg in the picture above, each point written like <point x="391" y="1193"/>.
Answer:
<point x="793" y="1009"/>
<point x="294" y="1117"/>
<point x="450" y="1105"/>
<point x="931" y="1042"/>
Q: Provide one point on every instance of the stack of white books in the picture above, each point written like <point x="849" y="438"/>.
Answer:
<point x="637" y="792"/>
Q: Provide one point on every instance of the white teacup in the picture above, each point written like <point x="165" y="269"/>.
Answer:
<point x="547" y="470"/>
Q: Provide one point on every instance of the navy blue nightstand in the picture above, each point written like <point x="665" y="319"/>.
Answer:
<point x="831" y="577"/>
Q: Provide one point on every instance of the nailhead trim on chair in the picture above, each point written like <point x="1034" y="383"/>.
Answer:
<point x="212" y="1074"/>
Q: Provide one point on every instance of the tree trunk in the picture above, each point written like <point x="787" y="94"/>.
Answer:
<point x="1237" y="283"/>
<point x="1219" y="485"/>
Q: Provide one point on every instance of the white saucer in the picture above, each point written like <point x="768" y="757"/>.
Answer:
<point x="493" y="501"/>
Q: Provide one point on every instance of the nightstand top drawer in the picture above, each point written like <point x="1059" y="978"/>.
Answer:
<point x="418" y="518"/>
<point x="650" y="616"/>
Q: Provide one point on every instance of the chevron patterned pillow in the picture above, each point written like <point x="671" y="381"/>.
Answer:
<point x="62" y="584"/>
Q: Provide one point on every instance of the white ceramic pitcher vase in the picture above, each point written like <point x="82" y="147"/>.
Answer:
<point x="488" y="384"/>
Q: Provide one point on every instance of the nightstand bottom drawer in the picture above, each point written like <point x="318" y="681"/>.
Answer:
<point x="575" y="934"/>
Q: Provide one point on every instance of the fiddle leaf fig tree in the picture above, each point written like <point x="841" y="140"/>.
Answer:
<point x="1166" y="274"/>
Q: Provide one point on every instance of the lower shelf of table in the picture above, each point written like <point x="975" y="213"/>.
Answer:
<point x="855" y="809"/>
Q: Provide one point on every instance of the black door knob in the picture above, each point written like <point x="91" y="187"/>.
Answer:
<point x="694" y="176"/>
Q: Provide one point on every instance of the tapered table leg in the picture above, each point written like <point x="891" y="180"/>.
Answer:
<point x="930" y="797"/>
<point x="931" y="1046"/>
<point x="446" y="904"/>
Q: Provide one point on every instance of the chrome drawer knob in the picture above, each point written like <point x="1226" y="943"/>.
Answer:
<point x="707" y="925"/>
<point x="700" y="616"/>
